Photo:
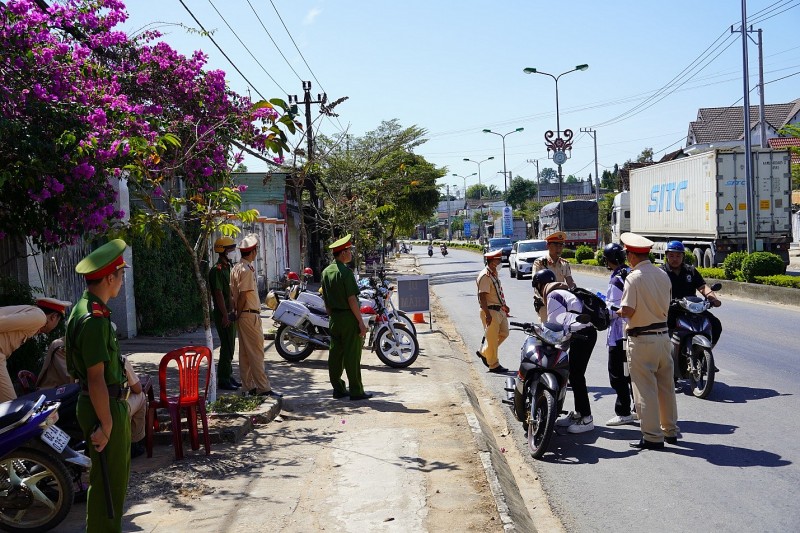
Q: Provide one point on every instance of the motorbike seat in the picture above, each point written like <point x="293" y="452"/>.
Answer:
<point x="14" y="411"/>
<point x="318" y="312"/>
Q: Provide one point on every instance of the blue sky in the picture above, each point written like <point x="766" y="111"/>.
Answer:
<point x="455" y="68"/>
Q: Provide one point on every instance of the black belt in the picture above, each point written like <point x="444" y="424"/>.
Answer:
<point x="495" y="307"/>
<point x="251" y="311"/>
<point x="116" y="391"/>
<point x="653" y="329"/>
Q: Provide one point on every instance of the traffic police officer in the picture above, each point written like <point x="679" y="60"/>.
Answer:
<point x="93" y="358"/>
<point x="645" y="302"/>
<point x="494" y="312"/>
<point x="219" y="282"/>
<point x="18" y="323"/>
<point x="340" y="292"/>
<point x="557" y="264"/>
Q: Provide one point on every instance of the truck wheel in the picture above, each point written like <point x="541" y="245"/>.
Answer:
<point x="708" y="259"/>
<point x="698" y="257"/>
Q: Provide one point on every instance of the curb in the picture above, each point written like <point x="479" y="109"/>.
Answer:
<point x="738" y="289"/>
<point x="510" y="505"/>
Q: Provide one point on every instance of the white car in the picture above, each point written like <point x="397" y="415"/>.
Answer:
<point x="523" y="254"/>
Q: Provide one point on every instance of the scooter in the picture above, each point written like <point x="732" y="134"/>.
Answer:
<point x="691" y="343"/>
<point x="443" y="249"/>
<point x="537" y="394"/>
<point x="36" y="490"/>
<point x="430" y="250"/>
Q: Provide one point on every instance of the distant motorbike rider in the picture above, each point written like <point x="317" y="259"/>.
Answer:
<point x="430" y="250"/>
<point x="685" y="281"/>
<point x="443" y="248"/>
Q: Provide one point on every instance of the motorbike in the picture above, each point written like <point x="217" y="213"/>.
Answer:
<point x="369" y="287"/>
<point x="430" y="251"/>
<point x="537" y="394"/>
<point x="303" y="326"/>
<point x="443" y="249"/>
<point x="404" y="249"/>
<point x="36" y="489"/>
<point x="691" y="343"/>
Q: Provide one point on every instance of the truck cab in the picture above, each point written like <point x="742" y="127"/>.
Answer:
<point x="620" y="215"/>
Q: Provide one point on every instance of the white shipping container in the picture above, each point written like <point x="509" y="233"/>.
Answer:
<point x="704" y="196"/>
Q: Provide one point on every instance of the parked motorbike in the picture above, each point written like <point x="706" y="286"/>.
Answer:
<point x="36" y="489"/>
<point x="370" y="287"/>
<point x="537" y="394"/>
<point x="691" y="343"/>
<point x="304" y="327"/>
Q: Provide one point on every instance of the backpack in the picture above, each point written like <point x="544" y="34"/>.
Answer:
<point x="595" y="307"/>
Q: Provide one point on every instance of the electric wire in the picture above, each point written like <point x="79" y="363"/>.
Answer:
<point x="226" y="55"/>
<point x="246" y="48"/>
<point x="253" y="9"/>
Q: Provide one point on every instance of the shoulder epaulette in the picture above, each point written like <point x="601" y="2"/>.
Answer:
<point x="99" y="311"/>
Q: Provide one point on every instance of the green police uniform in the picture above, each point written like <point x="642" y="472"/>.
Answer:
<point x="219" y="278"/>
<point x="91" y="340"/>
<point x="339" y="283"/>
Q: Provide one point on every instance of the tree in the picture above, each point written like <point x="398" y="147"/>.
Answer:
<point x="646" y="156"/>
<point x="607" y="181"/>
<point x="520" y="191"/>
<point x="793" y="130"/>
<point x="548" y="175"/>
<point x="571" y="179"/>
<point x="494" y="192"/>
<point x="476" y="191"/>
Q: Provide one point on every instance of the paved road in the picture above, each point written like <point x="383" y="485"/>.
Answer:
<point x="736" y="467"/>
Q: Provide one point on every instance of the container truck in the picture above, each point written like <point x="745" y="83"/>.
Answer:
<point x="701" y="200"/>
<point x="580" y="221"/>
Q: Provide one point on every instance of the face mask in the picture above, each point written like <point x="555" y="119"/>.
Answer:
<point x="230" y="256"/>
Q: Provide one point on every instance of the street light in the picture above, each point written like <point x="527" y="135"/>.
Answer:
<point x="465" y="185"/>
<point x="559" y="146"/>
<point x="503" y="136"/>
<point x="480" y="188"/>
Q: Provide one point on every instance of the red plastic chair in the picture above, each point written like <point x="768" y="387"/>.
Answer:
<point x="189" y="399"/>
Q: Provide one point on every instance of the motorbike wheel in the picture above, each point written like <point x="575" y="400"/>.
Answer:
<point x="291" y="348"/>
<point x="397" y="353"/>
<point x="702" y="378"/>
<point x="402" y="317"/>
<point x="36" y="491"/>
<point x="542" y="422"/>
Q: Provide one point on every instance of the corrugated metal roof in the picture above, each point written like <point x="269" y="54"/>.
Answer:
<point x="262" y="187"/>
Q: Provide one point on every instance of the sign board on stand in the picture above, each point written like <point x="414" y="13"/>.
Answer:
<point x="467" y="229"/>
<point x="413" y="295"/>
<point x="508" y="221"/>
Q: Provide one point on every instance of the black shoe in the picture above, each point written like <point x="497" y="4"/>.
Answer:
<point x="671" y="440"/>
<point x="227" y="386"/>
<point x="482" y="358"/>
<point x="271" y="393"/>
<point x="364" y="396"/>
<point x="646" y="445"/>
<point x="339" y="394"/>
<point x="499" y="369"/>
<point x="137" y="449"/>
<point x="235" y="383"/>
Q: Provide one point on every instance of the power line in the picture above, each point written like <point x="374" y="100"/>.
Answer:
<point x="273" y="40"/>
<point x="296" y="47"/>
<point x="226" y="55"/>
<point x="246" y="48"/>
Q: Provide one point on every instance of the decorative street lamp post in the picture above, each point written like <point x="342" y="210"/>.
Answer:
<point x="503" y="136"/>
<point x="559" y="146"/>
<point x="480" y="189"/>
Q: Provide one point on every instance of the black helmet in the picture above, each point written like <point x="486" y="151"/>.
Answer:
<point x="543" y="277"/>
<point x="613" y="252"/>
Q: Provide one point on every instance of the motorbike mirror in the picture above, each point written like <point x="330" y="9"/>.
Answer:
<point x="583" y="318"/>
<point x="715" y="287"/>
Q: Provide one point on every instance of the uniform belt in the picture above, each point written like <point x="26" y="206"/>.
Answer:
<point x="495" y="307"/>
<point x="662" y="332"/>
<point x="116" y="391"/>
<point x="653" y="329"/>
<point x="250" y="311"/>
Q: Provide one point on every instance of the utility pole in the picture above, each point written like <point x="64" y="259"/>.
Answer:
<point x="761" y="113"/>
<point x="314" y="241"/>
<point x="538" y="194"/>
<point x="593" y="133"/>
<point x="448" y="213"/>
<point x="748" y="154"/>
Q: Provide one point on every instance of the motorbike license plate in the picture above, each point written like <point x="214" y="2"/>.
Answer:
<point x="56" y="438"/>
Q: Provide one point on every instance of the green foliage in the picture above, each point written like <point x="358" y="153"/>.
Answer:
<point x="761" y="264"/>
<point x="591" y="262"/>
<point x="30" y="355"/>
<point x="713" y="273"/>
<point x="733" y="263"/>
<point x="604" y="208"/>
<point x="568" y="253"/>
<point x="687" y="259"/>
<point x="598" y="256"/>
<point x="167" y="297"/>
<point x="519" y="191"/>
<point x="782" y="280"/>
<point x="583" y="253"/>
<point x="793" y="130"/>
<point x="233" y="403"/>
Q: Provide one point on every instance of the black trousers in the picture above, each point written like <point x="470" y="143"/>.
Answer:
<point x="580" y="351"/>
<point x="619" y="381"/>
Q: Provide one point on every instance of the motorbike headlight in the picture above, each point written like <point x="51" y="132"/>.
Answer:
<point x="551" y="336"/>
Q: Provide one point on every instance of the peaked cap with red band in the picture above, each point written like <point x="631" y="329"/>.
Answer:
<point x="104" y="261"/>
<point x="496" y="254"/>
<point x="636" y="243"/>
<point x="341" y="244"/>
<point x="54" y="304"/>
<point x="248" y="243"/>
